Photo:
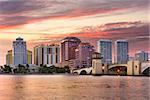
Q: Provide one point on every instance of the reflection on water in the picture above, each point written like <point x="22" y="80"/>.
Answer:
<point x="62" y="87"/>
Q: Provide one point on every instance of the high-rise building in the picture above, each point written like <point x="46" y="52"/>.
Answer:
<point x="53" y="54"/>
<point x="9" y="57"/>
<point x="121" y="51"/>
<point x="29" y="57"/>
<point x="19" y="51"/>
<point x="84" y="55"/>
<point x="105" y="49"/>
<point x="40" y="55"/>
<point x="68" y="46"/>
<point x="141" y="56"/>
<point x="47" y="54"/>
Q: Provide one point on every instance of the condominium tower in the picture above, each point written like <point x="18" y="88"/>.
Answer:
<point x="121" y="51"/>
<point x="9" y="57"/>
<point x="84" y="55"/>
<point x="47" y="54"/>
<point x="105" y="49"/>
<point x="19" y="51"/>
<point x="68" y="46"/>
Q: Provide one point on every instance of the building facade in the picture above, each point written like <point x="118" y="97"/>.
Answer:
<point x="84" y="55"/>
<point x="29" y="57"/>
<point x="47" y="55"/>
<point x="53" y="54"/>
<point x="105" y="49"/>
<point x="142" y="56"/>
<point x="121" y="51"/>
<point x="19" y="51"/>
<point x="68" y="46"/>
<point x="40" y="55"/>
<point x="9" y="57"/>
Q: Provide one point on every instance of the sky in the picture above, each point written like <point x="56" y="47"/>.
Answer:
<point x="49" y="21"/>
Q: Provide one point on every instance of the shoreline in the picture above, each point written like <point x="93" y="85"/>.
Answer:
<point x="68" y="74"/>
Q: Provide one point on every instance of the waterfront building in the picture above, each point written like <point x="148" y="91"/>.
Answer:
<point x="19" y="51"/>
<point x="40" y="55"/>
<point x="68" y="46"/>
<point x="53" y="54"/>
<point x="47" y="54"/>
<point x="105" y="49"/>
<point x="84" y="55"/>
<point x="121" y="51"/>
<point x="29" y="57"/>
<point x="142" y="56"/>
<point x="9" y="57"/>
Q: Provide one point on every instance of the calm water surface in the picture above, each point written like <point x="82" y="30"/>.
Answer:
<point x="63" y="87"/>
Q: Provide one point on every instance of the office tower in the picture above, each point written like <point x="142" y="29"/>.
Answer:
<point x="68" y="46"/>
<point x="47" y="54"/>
<point x="105" y="49"/>
<point x="40" y="55"/>
<point x="19" y="51"/>
<point x="141" y="56"/>
<point x="84" y="55"/>
<point x="53" y="54"/>
<point x="29" y="57"/>
<point x="9" y="58"/>
<point x="121" y="49"/>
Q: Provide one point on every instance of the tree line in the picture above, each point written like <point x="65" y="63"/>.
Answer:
<point x="24" y="69"/>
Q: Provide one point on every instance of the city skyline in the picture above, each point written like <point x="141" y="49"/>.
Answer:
<point x="85" y="19"/>
<point x="72" y="50"/>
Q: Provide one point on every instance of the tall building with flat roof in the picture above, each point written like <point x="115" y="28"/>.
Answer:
<point x="29" y="57"/>
<point x="68" y="46"/>
<point x="53" y="54"/>
<point x="121" y="51"/>
<point x="40" y="55"/>
<point x="105" y="49"/>
<point x="19" y="51"/>
<point x="142" y="56"/>
<point x="84" y="55"/>
<point x="47" y="54"/>
<point x="9" y="57"/>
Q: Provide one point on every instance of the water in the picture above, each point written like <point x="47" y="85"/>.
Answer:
<point x="63" y="87"/>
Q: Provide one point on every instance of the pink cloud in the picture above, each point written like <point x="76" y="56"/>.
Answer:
<point x="23" y="12"/>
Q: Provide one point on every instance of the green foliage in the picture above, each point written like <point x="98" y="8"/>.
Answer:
<point x="52" y="69"/>
<point x="7" y="69"/>
<point x="21" y="69"/>
<point x="44" y="69"/>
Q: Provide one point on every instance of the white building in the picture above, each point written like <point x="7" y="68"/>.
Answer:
<point x="121" y="51"/>
<point x="40" y="55"/>
<point x="19" y="52"/>
<point x="105" y="49"/>
<point x="47" y="55"/>
<point x="53" y="54"/>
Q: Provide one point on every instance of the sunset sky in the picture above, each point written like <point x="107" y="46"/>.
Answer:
<point x="49" y="21"/>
